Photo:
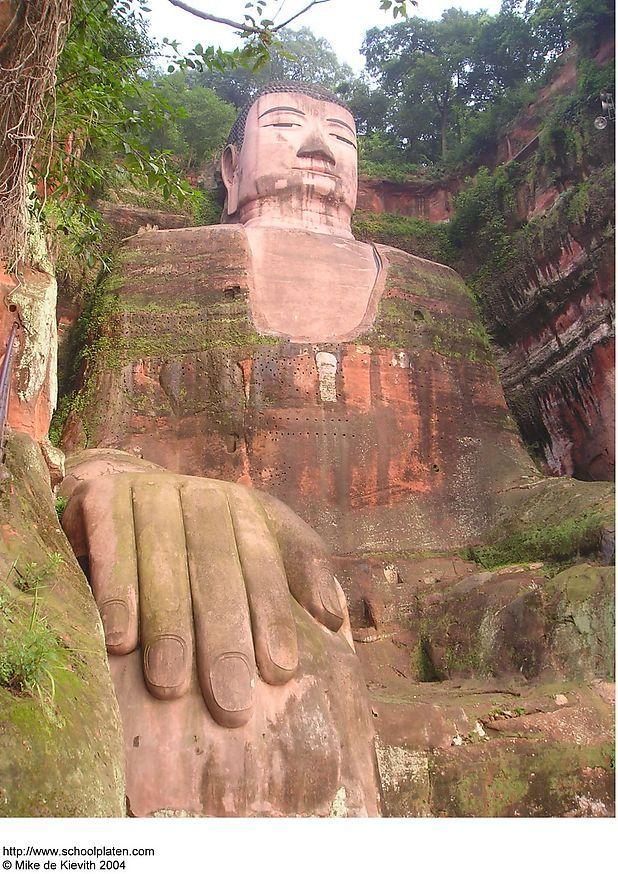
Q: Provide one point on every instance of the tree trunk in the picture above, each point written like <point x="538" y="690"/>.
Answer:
<point x="32" y="38"/>
<point x="443" y="126"/>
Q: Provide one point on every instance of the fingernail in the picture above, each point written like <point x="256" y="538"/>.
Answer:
<point x="165" y="661"/>
<point x="115" y="617"/>
<point x="231" y="683"/>
<point x="329" y="600"/>
<point x="282" y="647"/>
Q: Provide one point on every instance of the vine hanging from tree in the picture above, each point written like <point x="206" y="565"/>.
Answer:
<point x="33" y="38"/>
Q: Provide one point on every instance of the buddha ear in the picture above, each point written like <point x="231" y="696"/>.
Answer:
<point x="229" y="174"/>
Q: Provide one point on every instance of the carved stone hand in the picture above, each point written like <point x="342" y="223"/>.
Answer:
<point x="190" y="568"/>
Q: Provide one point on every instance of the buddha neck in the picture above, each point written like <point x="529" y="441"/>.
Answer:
<point x="317" y="216"/>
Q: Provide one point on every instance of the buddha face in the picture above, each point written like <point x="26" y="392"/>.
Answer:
<point x="298" y="160"/>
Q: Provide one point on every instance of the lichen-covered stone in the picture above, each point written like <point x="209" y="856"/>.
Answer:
<point x="582" y="620"/>
<point x="31" y="302"/>
<point x="61" y="750"/>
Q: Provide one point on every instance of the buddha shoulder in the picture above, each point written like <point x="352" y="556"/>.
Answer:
<point x="411" y="276"/>
<point x="184" y="263"/>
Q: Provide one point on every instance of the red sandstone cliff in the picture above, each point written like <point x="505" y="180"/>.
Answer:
<point x="551" y="314"/>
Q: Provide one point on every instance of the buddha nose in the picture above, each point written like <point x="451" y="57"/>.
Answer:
<point x="314" y="146"/>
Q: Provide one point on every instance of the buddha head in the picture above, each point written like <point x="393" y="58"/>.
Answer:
<point x="290" y="160"/>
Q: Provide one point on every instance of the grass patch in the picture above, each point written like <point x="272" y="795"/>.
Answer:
<point x="426" y="671"/>
<point x="30" y="652"/>
<point x="557" y="544"/>
<point x="33" y="575"/>
<point x="416" y="236"/>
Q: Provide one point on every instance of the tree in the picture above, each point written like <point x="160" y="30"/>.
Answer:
<point x="439" y="75"/>
<point x="425" y="68"/>
<point x="31" y="39"/>
<point x="507" y="52"/>
<point x="370" y="106"/>
<point x="297" y="55"/>
<point x="557" y="23"/>
<point x="591" y="23"/>
<point x="196" y="126"/>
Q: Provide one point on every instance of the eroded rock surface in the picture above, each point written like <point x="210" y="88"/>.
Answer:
<point x="60" y="732"/>
<point x="491" y="692"/>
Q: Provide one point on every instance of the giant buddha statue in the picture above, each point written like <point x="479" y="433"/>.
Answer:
<point x="268" y="361"/>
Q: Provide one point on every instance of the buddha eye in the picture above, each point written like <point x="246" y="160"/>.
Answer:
<point x="344" y="140"/>
<point x="282" y="124"/>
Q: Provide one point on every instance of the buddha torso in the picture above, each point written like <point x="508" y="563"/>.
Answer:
<point x="381" y="421"/>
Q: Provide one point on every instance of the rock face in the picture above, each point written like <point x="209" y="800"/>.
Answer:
<point x="549" y="303"/>
<point x="32" y="303"/>
<point x="489" y="690"/>
<point x="554" y="319"/>
<point x="425" y="200"/>
<point x="238" y="686"/>
<point x="399" y="439"/>
<point x="306" y="751"/>
<point x="127" y="219"/>
<point x="395" y="442"/>
<point x="60" y="734"/>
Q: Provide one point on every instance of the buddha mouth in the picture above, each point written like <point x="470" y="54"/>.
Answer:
<point x="318" y="171"/>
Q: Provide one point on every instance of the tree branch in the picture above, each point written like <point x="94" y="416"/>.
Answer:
<point x="246" y="28"/>
<point x="237" y="25"/>
<point x="298" y="14"/>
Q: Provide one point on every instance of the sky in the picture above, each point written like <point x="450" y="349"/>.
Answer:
<point x="342" y="22"/>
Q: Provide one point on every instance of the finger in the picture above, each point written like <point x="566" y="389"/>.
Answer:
<point x="72" y="522"/>
<point x="306" y="561"/>
<point x="107" y="519"/>
<point x="346" y="629"/>
<point x="166" y="632"/>
<point x="224" y="643"/>
<point x="268" y="594"/>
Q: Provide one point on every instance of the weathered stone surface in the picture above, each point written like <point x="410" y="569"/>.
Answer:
<point x="552" y="311"/>
<point x="521" y="623"/>
<point x="491" y="691"/>
<point x="307" y="750"/>
<point x="31" y="302"/>
<point x="60" y="745"/>
<point x="393" y="437"/>
<point x="425" y="200"/>
<point x="258" y="707"/>
<point x="473" y="748"/>
<point x="127" y="219"/>
<point x="557" y="363"/>
<point x="582" y="621"/>
<point x="520" y="777"/>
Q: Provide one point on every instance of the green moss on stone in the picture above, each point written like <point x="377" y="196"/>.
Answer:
<point x="417" y="236"/>
<point x="61" y="747"/>
<point x="558" y="542"/>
